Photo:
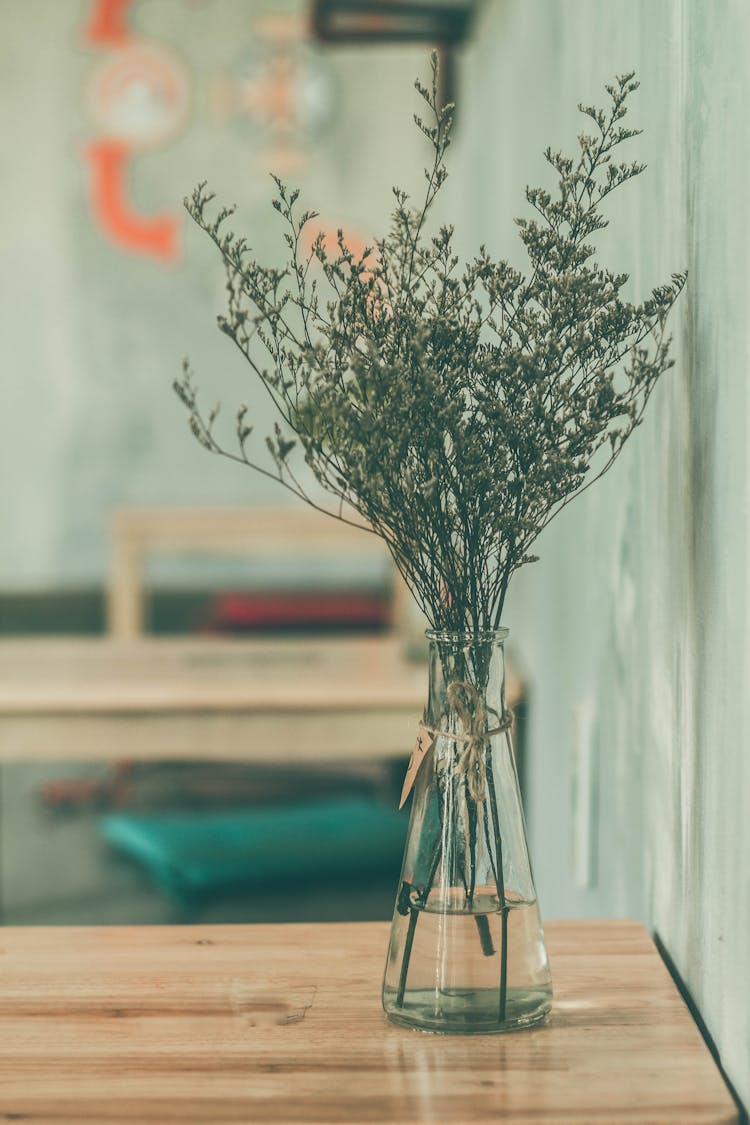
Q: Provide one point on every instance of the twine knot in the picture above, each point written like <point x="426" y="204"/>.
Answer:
<point x="467" y="703"/>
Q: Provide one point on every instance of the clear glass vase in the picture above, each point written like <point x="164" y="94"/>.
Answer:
<point x="467" y="951"/>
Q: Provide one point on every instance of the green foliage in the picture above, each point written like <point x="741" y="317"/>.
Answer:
<point x="455" y="411"/>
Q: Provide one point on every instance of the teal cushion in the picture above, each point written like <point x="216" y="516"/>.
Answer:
<point x="195" y="853"/>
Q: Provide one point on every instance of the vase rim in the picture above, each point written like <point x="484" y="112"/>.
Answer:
<point x="468" y="636"/>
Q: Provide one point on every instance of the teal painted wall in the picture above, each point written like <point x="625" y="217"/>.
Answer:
<point x="633" y="629"/>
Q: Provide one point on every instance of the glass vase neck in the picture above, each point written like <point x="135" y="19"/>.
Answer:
<point x="466" y="679"/>
<point x="464" y="637"/>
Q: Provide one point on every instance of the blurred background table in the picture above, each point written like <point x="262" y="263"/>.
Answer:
<point x="264" y="700"/>
<point x="283" y="1024"/>
<point x="211" y="742"/>
<point x="250" y="700"/>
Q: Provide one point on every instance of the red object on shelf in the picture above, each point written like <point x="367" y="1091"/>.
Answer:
<point x="236" y="612"/>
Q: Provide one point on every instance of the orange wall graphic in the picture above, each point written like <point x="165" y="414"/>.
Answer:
<point x="108" y="25"/>
<point x="138" y="99"/>
<point x="278" y="93"/>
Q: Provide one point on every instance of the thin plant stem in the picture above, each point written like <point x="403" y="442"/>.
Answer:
<point x="485" y="935"/>
<point x="488" y="841"/>
<point x="413" y="916"/>
<point x="472" y="817"/>
<point x="500" y="888"/>
<point x="406" y="958"/>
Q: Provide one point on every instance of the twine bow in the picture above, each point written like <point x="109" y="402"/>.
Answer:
<point x="467" y="704"/>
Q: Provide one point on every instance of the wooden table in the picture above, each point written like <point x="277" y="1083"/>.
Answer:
<point x="282" y="1024"/>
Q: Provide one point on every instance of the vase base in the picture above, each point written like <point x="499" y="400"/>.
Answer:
<point x="468" y="1012"/>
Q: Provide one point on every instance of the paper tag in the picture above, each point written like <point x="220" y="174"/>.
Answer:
<point x="421" y="746"/>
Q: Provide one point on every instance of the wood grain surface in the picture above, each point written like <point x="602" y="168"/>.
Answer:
<point x="283" y="1024"/>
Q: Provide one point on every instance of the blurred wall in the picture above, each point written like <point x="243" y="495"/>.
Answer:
<point x="105" y="284"/>
<point x="633" y="628"/>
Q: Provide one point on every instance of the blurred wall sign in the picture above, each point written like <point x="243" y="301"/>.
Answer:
<point x="415" y="21"/>
<point x="279" y="93"/>
<point x="444" y="24"/>
<point x="138" y="98"/>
